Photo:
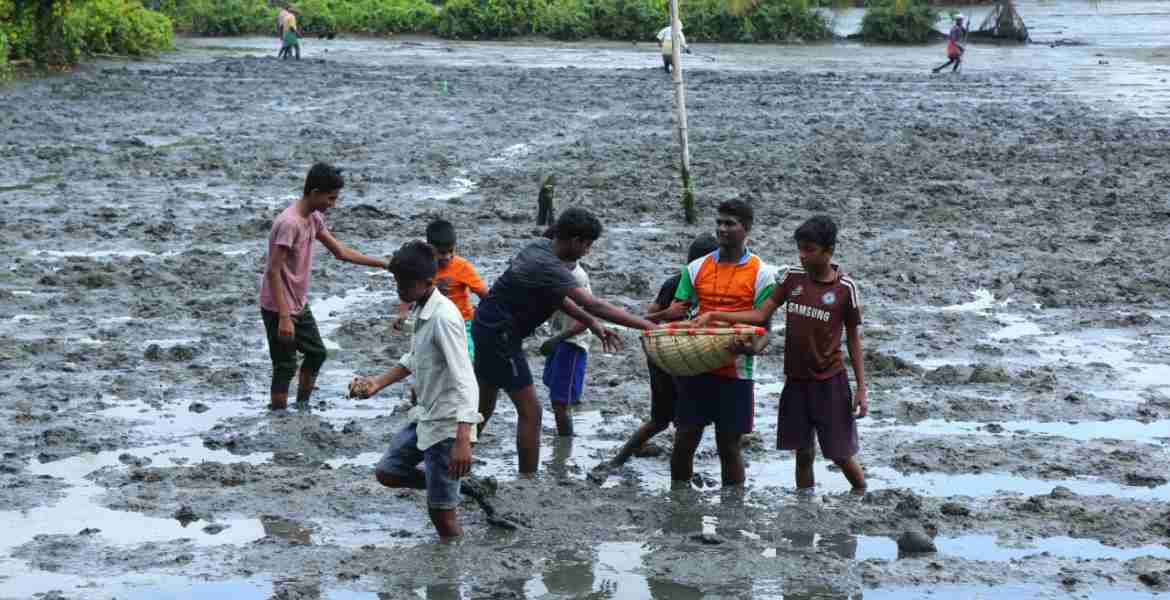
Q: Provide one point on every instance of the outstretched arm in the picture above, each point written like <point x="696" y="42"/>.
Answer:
<point x="343" y="253"/>
<point x="604" y="310"/>
<point x="364" y="387"/>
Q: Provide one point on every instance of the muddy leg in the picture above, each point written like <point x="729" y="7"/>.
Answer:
<point x="446" y="522"/>
<point x="564" y="417"/>
<point x="852" y="470"/>
<point x="487" y="403"/>
<point x="527" y="428"/>
<point x="943" y="66"/>
<point x="305" y="383"/>
<point x="804" y="468"/>
<point x="279" y="401"/>
<point x="730" y="458"/>
<point x="309" y="342"/>
<point x="643" y="435"/>
<point x="682" y="460"/>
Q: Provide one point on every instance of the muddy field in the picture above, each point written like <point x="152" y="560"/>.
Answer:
<point x="1009" y="240"/>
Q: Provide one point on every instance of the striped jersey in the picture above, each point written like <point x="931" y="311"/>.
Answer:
<point x="727" y="287"/>
<point x="815" y="317"/>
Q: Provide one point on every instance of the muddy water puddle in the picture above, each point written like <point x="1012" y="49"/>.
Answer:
<point x="1117" y="429"/>
<point x="80" y="509"/>
<point x="987" y="548"/>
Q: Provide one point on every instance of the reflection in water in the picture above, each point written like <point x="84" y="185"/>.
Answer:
<point x="562" y="451"/>
<point x="611" y="570"/>
<point x="567" y="574"/>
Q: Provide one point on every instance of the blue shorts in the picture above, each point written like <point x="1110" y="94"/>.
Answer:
<point x="564" y="373"/>
<point x="403" y="456"/>
<point x="498" y="362"/>
<point x="726" y="402"/>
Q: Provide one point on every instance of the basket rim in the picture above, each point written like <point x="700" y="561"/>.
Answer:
<point x="703" y="331"/>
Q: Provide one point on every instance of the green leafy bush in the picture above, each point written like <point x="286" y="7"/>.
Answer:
<point x="628" y="19"/>
<point x="222" y="17"/>
<point x="899" y="21"/>
<point x="5" y="68"/>
<point x="567" y="20"/>
<point x="490" y="19"/>
<point x="387" y="16"/>
<point x="117" y="27"/>
<point x="769" y="21"/>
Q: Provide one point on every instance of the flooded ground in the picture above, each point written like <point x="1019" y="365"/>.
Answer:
<point x="1007" y="227"/>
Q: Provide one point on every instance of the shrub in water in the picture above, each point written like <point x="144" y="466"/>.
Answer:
<point x="898" y="21"/>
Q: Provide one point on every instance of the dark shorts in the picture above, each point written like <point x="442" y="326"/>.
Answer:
<point x="403" y="457"/>
<point x="821" y="407"/>
<point x="726" y="402"/>
<point x="662" y="395"/>
<point x="564" y="373"/>
<point x="498" y="362"/>
<point x="283" y="352"/>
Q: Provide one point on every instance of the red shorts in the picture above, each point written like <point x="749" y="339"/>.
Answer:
<point x="953" y="50"/>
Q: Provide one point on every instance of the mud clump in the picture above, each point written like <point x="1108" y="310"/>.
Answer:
<point x="888" y="365"/>
<point x="913" y="543"/>
<point x="1144" y="480"/>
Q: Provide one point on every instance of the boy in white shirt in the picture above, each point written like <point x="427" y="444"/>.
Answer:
<point x="443" y="424"/>
<point x="666" y="44"/>
<point x="566" y="356"/>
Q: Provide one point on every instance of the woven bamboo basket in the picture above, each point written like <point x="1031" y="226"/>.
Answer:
<point x="692" y="351"/>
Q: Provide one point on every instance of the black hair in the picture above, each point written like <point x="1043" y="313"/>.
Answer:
<point x="325" y="178"/>
<point x="702" y="246"/>
<point x="441" y="234"/>
<point x="740" y="210"/>
<point x="820" y="230"/>
<point x="414" y="261"/>
<point x="577" y="223"/>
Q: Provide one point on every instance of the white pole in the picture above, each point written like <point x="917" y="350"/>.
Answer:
<point x="680" y="105"/>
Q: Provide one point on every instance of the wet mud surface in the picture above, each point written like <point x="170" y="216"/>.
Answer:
<point x="1009" y="241"/>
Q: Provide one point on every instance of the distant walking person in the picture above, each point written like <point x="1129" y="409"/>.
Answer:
<point x="954" y="50"/>
<point x="289" y="34"/>
<point x="666" y="43"/>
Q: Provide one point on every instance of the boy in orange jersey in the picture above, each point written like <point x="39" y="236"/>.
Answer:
<point x="730" y="279"/>
<point x="456" y="278"/>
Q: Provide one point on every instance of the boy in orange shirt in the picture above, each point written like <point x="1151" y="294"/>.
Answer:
<point x="456" y="278"/>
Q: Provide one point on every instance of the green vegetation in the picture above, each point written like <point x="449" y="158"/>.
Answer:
<point x="59" y="32"/>
<point x="899" y="21"/>
<point x="5" y="68"/>
<point x="706" y="20"/>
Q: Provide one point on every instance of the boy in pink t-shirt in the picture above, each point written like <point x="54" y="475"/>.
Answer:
<point x="284" y="287"/>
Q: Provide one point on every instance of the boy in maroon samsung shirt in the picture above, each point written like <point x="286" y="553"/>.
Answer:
<point x="820" y="302"/>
